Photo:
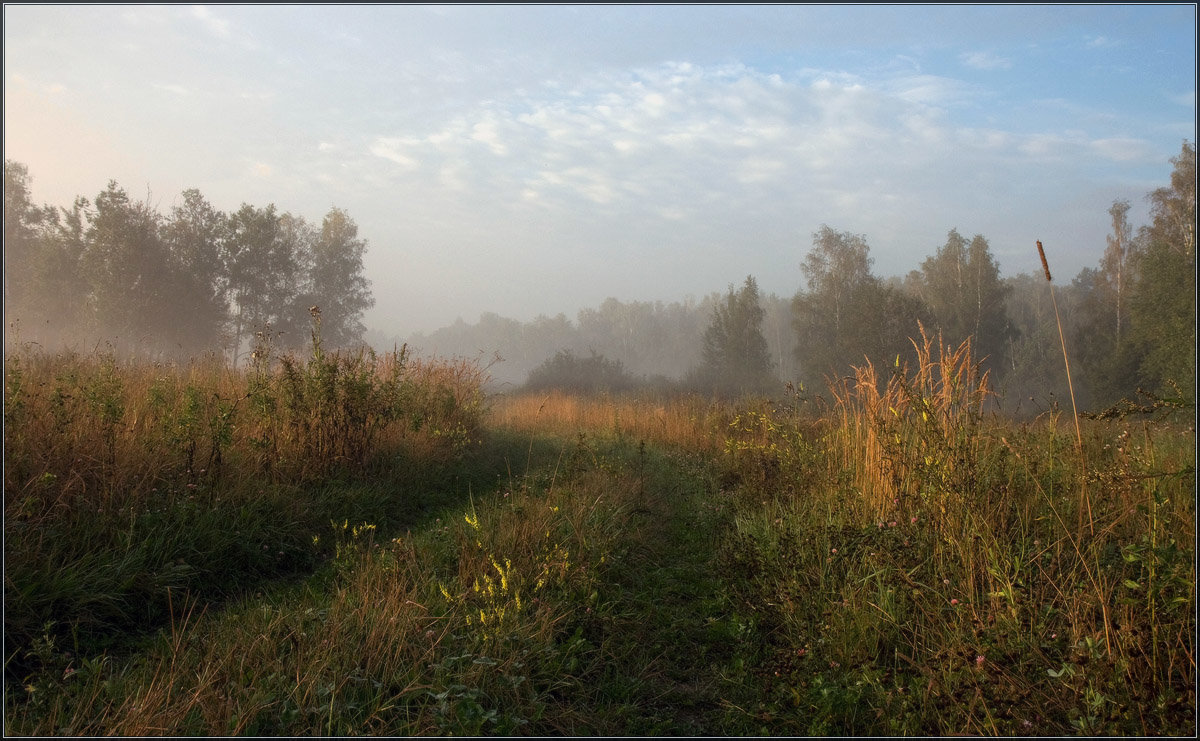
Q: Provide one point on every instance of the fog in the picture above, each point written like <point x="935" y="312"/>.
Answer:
<point x="512" y="163"/>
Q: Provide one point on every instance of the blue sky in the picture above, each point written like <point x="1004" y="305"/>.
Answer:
<point x="530" y="159"/>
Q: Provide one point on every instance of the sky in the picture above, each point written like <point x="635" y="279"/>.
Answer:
<point x="530" y="160"/>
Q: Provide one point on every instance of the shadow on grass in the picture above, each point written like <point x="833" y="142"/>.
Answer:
<point x="101" y="583"/>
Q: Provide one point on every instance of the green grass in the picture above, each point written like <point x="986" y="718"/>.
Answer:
<point x="902" y="565"/>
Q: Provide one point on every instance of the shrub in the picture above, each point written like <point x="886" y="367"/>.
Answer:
<point x="591" y="375"/>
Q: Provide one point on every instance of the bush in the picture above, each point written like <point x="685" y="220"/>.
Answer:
<point x="590" y="375"/>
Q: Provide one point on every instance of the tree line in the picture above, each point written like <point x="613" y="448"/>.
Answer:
<point x="198" y="278"/>
<point x="191" y="281"/>
<point x="1129" y="321"/>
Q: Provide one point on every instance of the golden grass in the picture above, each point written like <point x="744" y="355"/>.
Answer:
<point x="692" y="421"/>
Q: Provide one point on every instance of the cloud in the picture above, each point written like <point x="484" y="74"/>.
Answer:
<point x="1123" y="149"/>
<point x="486" y="133"/>
<point x="174" y="89"/>
<point x="221" y="27"/>
<point x="218" y="27"/>
<point x="393" y="149"/>
<point x="662" y="141"/>
<point x="985" y="61"/>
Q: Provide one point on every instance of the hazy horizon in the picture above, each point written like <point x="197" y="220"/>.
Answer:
<point x="529" y="161"/>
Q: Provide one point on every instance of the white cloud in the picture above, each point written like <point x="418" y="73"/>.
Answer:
<point x="393" y="149"/>
<point x="1123" y="149"/>
<point x="929" y="89"/>
<point x="759" y="169"/>
<point x="218" y="27"/>
<point x="661" y="140"/>
<point x="485" y="132"/>
<point x="985" y="61"/>
<point x="1103" y="42"/>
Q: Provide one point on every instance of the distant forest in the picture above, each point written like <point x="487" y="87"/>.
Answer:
<point x="198" y="279"/>
<point x="194" y="281"/>
<point x="1129" y="322"/>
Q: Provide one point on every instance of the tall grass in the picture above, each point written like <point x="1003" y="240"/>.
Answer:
<point x="927" y="581"/>
<point x="126" y="480"/>
<point x="903" y="564"/>
<point x="692" y="421"/>
<point x="474" y="626"/>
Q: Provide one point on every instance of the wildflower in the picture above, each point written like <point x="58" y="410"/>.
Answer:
<point x="833" y="551"/>
<point x="978" y="661"/>
<point x="954" y="602"/>
<point x="914" y="520"/>
<point x="892" y="523"/>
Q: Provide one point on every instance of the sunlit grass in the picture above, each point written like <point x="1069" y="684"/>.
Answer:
<point x="692" y="421"/>
<point x="905" y="563"/>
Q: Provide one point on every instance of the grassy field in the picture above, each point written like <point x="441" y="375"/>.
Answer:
<point x="352" y="544"/>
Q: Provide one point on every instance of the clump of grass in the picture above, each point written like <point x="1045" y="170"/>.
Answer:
<point x="125" y="480"/>
<point x="928" y="581"/>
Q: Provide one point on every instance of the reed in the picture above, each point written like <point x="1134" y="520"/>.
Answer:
<point x="1083" y="492"/>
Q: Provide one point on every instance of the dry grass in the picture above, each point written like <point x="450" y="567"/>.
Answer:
<point x="689" y="421"/>
<point x="463" y="629"/>
<point x="935" y="533"/>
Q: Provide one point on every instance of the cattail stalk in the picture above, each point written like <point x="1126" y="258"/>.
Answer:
<point x="1085" y="503"/>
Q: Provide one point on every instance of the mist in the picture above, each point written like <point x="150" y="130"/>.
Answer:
<point x="528" y="180"/>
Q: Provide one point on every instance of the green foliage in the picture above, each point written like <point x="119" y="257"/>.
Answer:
<point x="1164" y="320"/>
<point x="594" y="374"/>
<point x="125" y="480"/>
<point x="961" y="286"/>
<point x="735" y="358"/>
<point x="847" y="313"/>
<point x="626" y="589"/>
<point x="194" y="280"/>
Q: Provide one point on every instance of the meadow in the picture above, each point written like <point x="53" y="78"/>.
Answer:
<point x="351" y="543"/>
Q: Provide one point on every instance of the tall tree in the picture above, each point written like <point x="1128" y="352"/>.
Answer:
<point x="1173" y="209"/>
<point x="337" y="282"/>
<point x="129" y="270"/>
<point x="1163" y="299"/>
<point x="263" y="270"/>
<point x="22" y="224"/>
<point x="735" y="355"/>
<point x="1116" y="266"/>
<point x="961" y="286"/>
<point x="196" y="235"/>
<point x="847" y="315"/>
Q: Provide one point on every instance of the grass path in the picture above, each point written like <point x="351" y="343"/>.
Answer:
<point x="666" y="632"/>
